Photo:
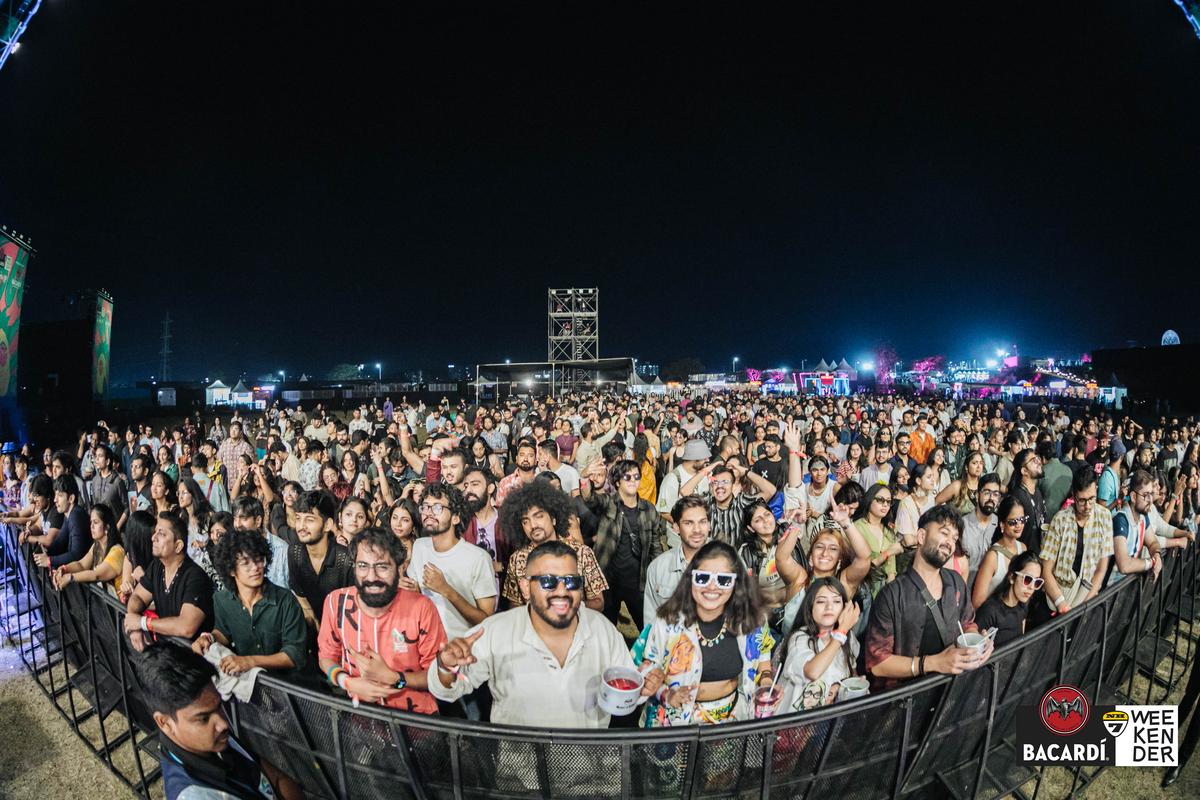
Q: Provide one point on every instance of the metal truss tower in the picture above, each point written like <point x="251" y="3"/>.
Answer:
<point x="572" y="334"/>
<point x="14" y="19"/>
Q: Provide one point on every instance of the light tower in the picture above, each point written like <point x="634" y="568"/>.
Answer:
<point x="572" y="334"/>
<point x="14" y="18"/>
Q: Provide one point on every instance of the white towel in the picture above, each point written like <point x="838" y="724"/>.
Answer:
<point x="241" y="686"/>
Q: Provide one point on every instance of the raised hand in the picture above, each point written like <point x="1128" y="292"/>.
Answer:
<point x="457" y="652"/>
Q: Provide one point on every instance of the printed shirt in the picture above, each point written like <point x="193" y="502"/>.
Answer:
<point x="408" y="635"/>
<point x="1059" y="543"/>
<point x="594" y="583"/>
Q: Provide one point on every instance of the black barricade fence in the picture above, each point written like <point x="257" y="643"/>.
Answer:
<point x="935" y="737"/>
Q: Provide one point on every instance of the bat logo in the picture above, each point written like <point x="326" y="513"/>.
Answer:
<point x="1064" y="710"/>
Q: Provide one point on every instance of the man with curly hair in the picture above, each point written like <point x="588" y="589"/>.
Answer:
<point x="539" y="513"/>
<point x="260" y="622"/>
<point x="455" y="574"/>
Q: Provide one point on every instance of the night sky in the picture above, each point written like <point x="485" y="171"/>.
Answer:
<point x="305" y="184"/>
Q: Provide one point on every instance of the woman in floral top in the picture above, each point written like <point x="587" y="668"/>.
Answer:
<point x="711" y="641"/>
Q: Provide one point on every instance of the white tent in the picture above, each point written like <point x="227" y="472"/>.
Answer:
<point x="216" y="394"/>
<point x="822" y="367"/>
<point x="241" y="395"/>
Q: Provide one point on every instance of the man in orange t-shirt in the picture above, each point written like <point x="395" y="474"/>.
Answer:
<point x="922" y="441"/>
<point x="378" y="640"/>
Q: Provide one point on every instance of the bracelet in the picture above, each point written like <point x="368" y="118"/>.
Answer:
<point x="921" y="667"/>
<point x="913" y="667"/>
<point x="333" y="674"/>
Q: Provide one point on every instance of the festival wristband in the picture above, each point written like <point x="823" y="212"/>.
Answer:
<point x="1060" y="602"/>
<point x="838" y="637"/>
<point x="145" y="624"/>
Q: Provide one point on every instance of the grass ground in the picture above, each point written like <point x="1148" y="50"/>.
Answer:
<point x="42" y="758"/>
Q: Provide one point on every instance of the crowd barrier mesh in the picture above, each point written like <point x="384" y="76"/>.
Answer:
<point x="933" y="738"/>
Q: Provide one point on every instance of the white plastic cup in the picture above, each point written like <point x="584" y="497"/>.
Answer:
<point x="853" y="688"/>
<point x="616" y="701"/>
<point x="972" y="641"/>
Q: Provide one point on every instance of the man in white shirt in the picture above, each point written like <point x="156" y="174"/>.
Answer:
<point x="690" y="518"/>
<point x="548" y="459"/>
<point x="455" y="574"/>
<point x="695" y="455"/>
<point x="543" y="661"/>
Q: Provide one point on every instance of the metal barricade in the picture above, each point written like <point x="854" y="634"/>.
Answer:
<point x="938" y="736"/>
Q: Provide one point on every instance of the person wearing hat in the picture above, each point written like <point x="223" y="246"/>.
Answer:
<point x="695" y="456"/>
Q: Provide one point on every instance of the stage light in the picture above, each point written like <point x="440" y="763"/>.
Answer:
<point x="868" y="366"/>
<point x="990" y="363"/>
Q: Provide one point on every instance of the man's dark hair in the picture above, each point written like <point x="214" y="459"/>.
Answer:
<point x="1139" y="479"/>
<point x="234" y="543"/>
<point x="457" y="452"/>
<point x="554" y="548"/>
<point x="104" y="448"/>
<point x="1045" y="451"/>
<point x="316" y="502"/>
<point x="522" y="500"/>
<point x="487" y="474"/>
<point x="619" y="468"/>
<point x="178" y="526"/>
<point x="942" y="513"/>
<point x="1082" y="479"/>
<point x="66" y="484"/>
<point x="550" y="446"/>
<point x="686" y="502"/>
<point x="358" y="437"/>
<point x="452" y="497"/>
<point x="42" y="486"/>
<point x="613" y="450"/>
<point x="172" y="677"/>
<point x="147" y="461"/>
<point x="379" y="539"/>
<point x="66" y="459"/>
<point x="247" y="505"/>
<point x="200" y="461"/>
<point x="988" y="477"/>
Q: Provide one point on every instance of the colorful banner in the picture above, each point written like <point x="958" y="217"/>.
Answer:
<point x="14" y="258"/>
<point x="101" y="346"/>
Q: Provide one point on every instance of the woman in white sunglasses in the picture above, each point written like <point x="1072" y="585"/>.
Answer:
<point x="711" y="640"/>
<point x="1008" y="606"/>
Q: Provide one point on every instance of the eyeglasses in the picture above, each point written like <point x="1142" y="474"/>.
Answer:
<point x="1083" y="501"/>
<point x="724" y="580"/>
<point x="377" y="567"/>
<point x="431" y="508"/>
<point x="989" y="492"/>
<point x="573" y="583"/>
<point x="1017" y="522"/>
<point x="1029" y="580"/>
<point x="725" y="482"/>
<point x="1144" y="495"/>
<point x="631" y="477"/>
<point x="883" y="501"/>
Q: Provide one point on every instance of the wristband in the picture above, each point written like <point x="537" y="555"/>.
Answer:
<point x="1060" y="602"/>
<point x="342" y="678"/>
<point x="1149" y="564"/>
<point x="838" y="637"/>
<point x="335" y="675"/>
<point x="145" y="624"/>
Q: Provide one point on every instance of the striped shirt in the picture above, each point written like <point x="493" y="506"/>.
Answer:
<point x="726" y="523"/>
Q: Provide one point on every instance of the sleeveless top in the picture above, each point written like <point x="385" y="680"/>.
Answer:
<point x="1003" y="557"/>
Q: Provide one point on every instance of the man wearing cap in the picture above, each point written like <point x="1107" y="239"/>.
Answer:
<point x="695" y="455"/>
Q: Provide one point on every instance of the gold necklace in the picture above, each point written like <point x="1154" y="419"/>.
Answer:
<point x="713" y="641"/>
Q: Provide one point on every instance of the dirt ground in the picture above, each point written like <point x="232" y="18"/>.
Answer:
<point x="42" y="758"/>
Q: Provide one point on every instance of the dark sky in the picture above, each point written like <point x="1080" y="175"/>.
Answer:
<point x="301" y="184"/>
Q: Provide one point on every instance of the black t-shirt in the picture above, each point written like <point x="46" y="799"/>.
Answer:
<point x="994" y="613"/>
<point x="722" y="660"/>
<point x="190" y="586"/>
<point x="774" y="471"/>
<point x="931" y="638"/>
<point x="627" y="560"/>
<point x="337" y="572"/>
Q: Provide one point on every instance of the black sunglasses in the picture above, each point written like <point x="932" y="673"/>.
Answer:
<point x="573" y="583"/>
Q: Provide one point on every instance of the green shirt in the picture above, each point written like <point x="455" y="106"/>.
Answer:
<point x="277" y="624"/>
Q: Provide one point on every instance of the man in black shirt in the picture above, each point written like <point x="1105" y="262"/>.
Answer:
<point x="772" y="465"/>
<point x="74" y="535"/>
<point x="317" y="564"/>
<point x="181" y="592"/>
<point x="1027" y="471"/>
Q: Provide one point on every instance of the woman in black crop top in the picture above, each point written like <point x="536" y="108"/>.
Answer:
<point x="711" y="641"/>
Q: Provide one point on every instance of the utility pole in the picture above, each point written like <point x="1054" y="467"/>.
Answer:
<point x="164" y="370"/>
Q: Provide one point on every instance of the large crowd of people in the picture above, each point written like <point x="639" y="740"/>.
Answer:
<point x="740" y="554"/>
